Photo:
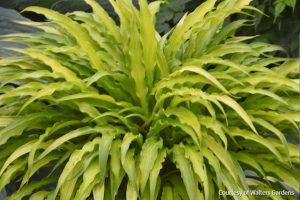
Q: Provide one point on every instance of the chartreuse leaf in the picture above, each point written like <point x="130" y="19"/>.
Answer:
<point x="256" y="138"/>
<point x="137" y="70"/>
<point x="219" y="61"/>
<point x="47" y="90"/>
<point x="128" y="162"/>
<point x="170" y="82"/>
<point x="205" y="74"/>
<point x="28" y="189"/>
<point x="11" y="172"/>
<point x="68" y="187"/>
<point x="57" y="126"/>
<point x="90" y="179"/>
<point x="56" y="67"/>
<point x="275" y="80"/>
<point x="179" y="190"/>
<point x="17" y="128"/>
<point x="260" y="91"/>
<point x="225" y="159"/>
<point x="180" y="33"/>
<point x="74" y="28"/>
<point x="289" y="67"/>
<point x="231" y="184"/>
<point x="5" y="120"/>
<point x="196" y="158"/>
<point x="154" y="181"/>
<point x="106" y="19"/>
<point x="39" y="164"/>
<point x="148" y="160"/>
<point x="98" y="191"/>
<point x="228" y="30"/>
<point x="73" y="134"/>
<point x="95" y="96"/>
<point x="116" y="171"/>
<point x="154" y="7"/>
<point x="39" y="195"/>
<point x="186" y="170"/>
<point x="9" y="148"/>
<point x="167" y="193"/>
<point x="289" y="176"/>
<point x="189" y="92"/>
<point x="131" y="192"/>
<point x="187" y="117"/>
<point x="278" y="117"/>
<point x="293" y="149"/>
<point x="22" y="150"/>
<point x="71" y="168"/>
<point x="249" y="160"/>
<point x="215" y="126"/>
<point x="149" y="41"/>
<point x="274" y="130"/>
<point x="238" y="109"/>
<point x="104" y="148"/>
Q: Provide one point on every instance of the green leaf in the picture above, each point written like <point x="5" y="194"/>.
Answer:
<point x="11" y="172"/>
<point x="179" y="190"/>
<point x="279" y="7"/>
<point x="96" y="96"/>
<point x="276" y="131"/>
<point x="71" y="167"/>
<point x="73" y="134"/>
<point x="154" y="174"/>
<point x="128" y="161"/>
<point x="188" y="118"/>
<point x="290" y="177"/>
<point x="106" y="19"/>
<point x="116" y="170"/>
<point x="28" y="189"/>
<point x="39" y="195"/>
<point x="205" y="74"/>
<point x="90" y="179"/>
<point x="226" y="159"/>
<point x="131" y="192"/>
<point x="249" y="160"/>
<point x="187" y="21"/>
<point x="48" y="131"/>
<point x="186" y="170"/>
<point x="38" y="165"/>
<point x="196" y="158"/>
<point x="167" y="193"/>
<point x="98" y="192"/>
<point x="214" y="125"/>
<point x="238" y="109"/>
<point x="17" y="128"/>
<point x="22" y="150"/>
<point x="81" y="36"/>
<point x="256" y="138"/>
<point x="6" y="120"/>
<point x="104" y="148"/>
<point x="148" y="160"/>
<point x="260" y="91"/>
<point x="56" y="67"/>
<point x="148" y="40"/>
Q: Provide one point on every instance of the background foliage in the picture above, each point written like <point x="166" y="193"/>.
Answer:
<point x="281" y="25"/>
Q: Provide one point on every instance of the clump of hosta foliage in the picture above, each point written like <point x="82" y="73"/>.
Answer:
<point x="99" y="110"/>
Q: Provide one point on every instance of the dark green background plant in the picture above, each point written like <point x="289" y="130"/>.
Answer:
<point x="282" y="26"/>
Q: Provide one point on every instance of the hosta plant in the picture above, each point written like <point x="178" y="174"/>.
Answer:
<point x="101" y="110"/>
